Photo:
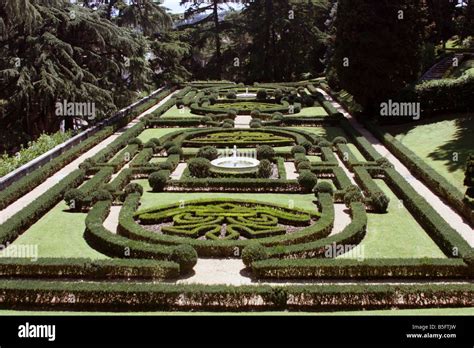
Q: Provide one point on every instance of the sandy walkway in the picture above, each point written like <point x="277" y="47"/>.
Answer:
<point x="290" y="169"/>
<point x="111" y="222"/>
<point x="242" y="121"/>
<point x="62" y="173"/>
<point x="446" y="212"/>
<point x="342" y="218"/>
<point x="178" y="172"/>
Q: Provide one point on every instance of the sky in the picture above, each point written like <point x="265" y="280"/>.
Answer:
<point x="174" y="6"/>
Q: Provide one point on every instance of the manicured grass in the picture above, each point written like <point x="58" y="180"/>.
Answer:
<point x="174" y="112"/>
<point x="395" y="234"/>
<point x="327" y="132"/>
<point x="313" y="111"/>
<point x="59" y="233"/>
<point x="147" y="134"/>
<point x="355" y="151"/>
<point x="152" y="199"/>
<point x="385" y="312"/>
<point x="437" y="142"/>
<point x="314" y="159"/>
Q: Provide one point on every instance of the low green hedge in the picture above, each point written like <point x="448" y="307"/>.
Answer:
<point x="88" y="269"/>
<point x="366" y="269"/>
<point x="26" y="217"/>
<point x="234" y="185"/>
<point x="447" y="238"/>
<point x="97" y="296"/>
<point x="421" y="170"/>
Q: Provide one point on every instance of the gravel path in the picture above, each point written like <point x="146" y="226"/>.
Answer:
<point x="446" y="212"/>
<point x="242" y="121"/>
<point x="290" y="169"/>
<point x="178" y="172"/>
<point x="111" y="222"/>
<point x="342" y="218"/>
<point x="23" y="201"/>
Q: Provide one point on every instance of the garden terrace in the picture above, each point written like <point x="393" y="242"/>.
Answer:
<point x="145" y="206"/>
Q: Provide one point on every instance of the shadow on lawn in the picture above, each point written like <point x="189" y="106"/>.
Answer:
<point x="462" y="144"/>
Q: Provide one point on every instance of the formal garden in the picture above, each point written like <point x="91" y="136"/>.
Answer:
<point x="217" y="196"/>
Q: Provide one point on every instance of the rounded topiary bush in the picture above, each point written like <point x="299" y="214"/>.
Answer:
<point x="255" y="113"/>
<point x="169" y="144"/>
<point x="135" y="141"/>
<point x="166" y="166"/>
<point x="265" y="169"/>
<point x="339" y="140"/>
<point x="133" y="188"/>
<point x="265" y="152"/>
<point x="353" y="196"/>
<point x="298" y="149"/>
<point x="175" y="150"/>
<point x="206" y="119"/>
<point x="324" y="143"/>
<point x="308" y="101"/>
<point x="101" y="195"/>
<point x="307" y="145"/>
<point x="155" y="141"/>
<point x="324" y="187"/>
<point x="307" y="181"/>
<point x="158" y="180"/>
<point x="303" y="165"/>
<point x="208" y="152"/>
<point x="254" y="252"/>
<point x="277" y="116"/>
<point x="262" y="94"/>
<point x="256" y="123"/>
<point x="150" y="145"/>
<point x="380" y="202"/>
<point x="199" y="167"/>
<point x="232" y="113"/>
<point x="74" y="198"/>
<point x="231" y="95"/>
<point x="185" y="256"/>
<point x="227" y="125"/>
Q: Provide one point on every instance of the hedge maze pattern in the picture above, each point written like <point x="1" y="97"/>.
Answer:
<point x="275" y="241"/>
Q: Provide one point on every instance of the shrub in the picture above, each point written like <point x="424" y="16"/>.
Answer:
<point x="231" y="95"/>
<point x="324" y="143"/>
<point x="155" y="141"/>
<point x="158" y="180"/>
<point x="265" y="152"/>
<point x="265" y="169"/>
<point x="135" y="141"/>
<point x="303" y="165"/>
<point x="262" y="94"/>
<point x="380" y="202"/>
<point x="150" y="145"/>
<point x="307" y="181"/>
<point x="352" y="196"/>
<point x="133" y="188"/>
<point x="469" y="176"/>
<point x="227" y="125"/>
<point x="208" y="152"/>
<point x="256" y="123"/>
<point x="324" y="187"/>
<point x="298" y="149"/>
<point x="199" y="167"/>
<point x="74" y="198"/>
<point x="255" y="113"/>
<point x="102" y="195"/>
<point x="307" y="145"/>
<point x="175" y="150"/>
<point x="339" y="140"/>
<point x="277" y="116"/>
<point x="206" y="119"/>
<point x="169" y="144"/>
<point x="308" y="101"/>
<point x="166" y="166"/>
<point x="185" y="256"/>
<point x="232" y="113"/>
<point x="254" y="252"/>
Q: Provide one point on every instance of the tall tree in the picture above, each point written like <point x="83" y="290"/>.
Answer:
<point x="378" y="48"/>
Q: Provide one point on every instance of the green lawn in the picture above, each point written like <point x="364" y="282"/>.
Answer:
<point x="313" y="111"/>
<point x="437" y="143"/>
<point x="152" y="199"/>
<point x="174" y="112"/>
<point x="395" y="234"/>
<point x="59" y="234"/>
<point x="355" y="151"/>
<point x="327" y="132"/>
<point x="147" y="134"/>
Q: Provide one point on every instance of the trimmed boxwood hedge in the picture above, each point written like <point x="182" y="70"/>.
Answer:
<point x="366" y="269"/>
<point x="97" y="296"/>
<point x="26" y="217"/>
<point x="88" y="269"/>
